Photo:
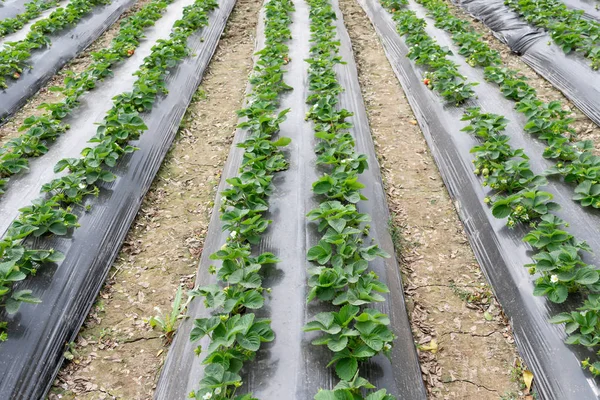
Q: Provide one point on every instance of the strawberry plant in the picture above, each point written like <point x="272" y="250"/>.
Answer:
<point x="40" y="130"/>
<point x="340" y="273"/>
<point x="352" y="336"/>
<point x="557" y="263"/>
<point x="14" y="54"/>
<point x="235" y="333"/>
<point x="235" y="340"/>
<point x="442" y="75"/>
<point x="352" y="390"/>
<point x="33" y="9"/>
<point x="548" y="235"/>
<point x="122" y="123"/>
<point x="568" y="28"/>
<point x="547" y="121"/>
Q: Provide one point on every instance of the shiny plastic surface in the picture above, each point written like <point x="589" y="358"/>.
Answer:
<point x="590" y="8"/>
<point x="66" y="45"/>
<point x="500" y="251"/>
<point x="10" y="8"/>
<point x="569" y="73"/>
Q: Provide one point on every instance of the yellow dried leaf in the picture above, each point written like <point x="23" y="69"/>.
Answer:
<point x="432" y="346"/>
<point x="527" y="378"/>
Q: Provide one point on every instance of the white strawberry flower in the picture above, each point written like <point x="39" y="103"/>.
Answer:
<point x="554" y="278"/>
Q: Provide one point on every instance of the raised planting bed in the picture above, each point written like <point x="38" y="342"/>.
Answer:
<point x="27" y="65"/>
<point x="499" y="221"/>
<point x="39" y="131"/>
<point x="569" y="73"/>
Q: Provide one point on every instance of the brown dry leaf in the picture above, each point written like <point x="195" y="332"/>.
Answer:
<point x="527" y="378"/>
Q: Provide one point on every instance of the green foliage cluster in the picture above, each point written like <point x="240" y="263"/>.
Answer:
<point x="14" y="54"/>
<point x="40" y="130"/>
<point x="33" y="9"/>
<point x="568" y="28"/>
<point x="547" y="121"/>
<point x="339" y="276"/>
<point x="442" y="73"/>
<point x="557" y="262"/>
<point x="122" y="124"/>
<point x="517" y="196"/>
<point x="234" y="331"/>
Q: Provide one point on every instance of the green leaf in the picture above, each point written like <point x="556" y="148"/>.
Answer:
<point x="586" y="276"/>
<point x="379" y="395"/>
<point x="203" y="326"/>
<point x="58" y="229"/>
<point x="12" y="306"/>
<point x="501" y="210"/>
<point x="251" y="341"/>
<point x="25" y="296"/>
<point x="561" y="318"/>
<point x="558" y="294"/>
<point x="346" y="368"/>
<point x="322" y="186"/>
<point x="282" y="141"/>
<point x="253" y="300"/>
<point x="338" y="224"/>
<point x="326" y="395"/>
<point x="337" y="344"/>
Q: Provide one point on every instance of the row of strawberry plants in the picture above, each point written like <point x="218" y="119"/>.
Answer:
<point x="575" y="161"/>
<point x="52" y="214"/>
<point x="568" y="28"/>
<point x="443" y="75"/>
<point x="558" y="261"/>
<point x="548" y="121"/>
<point x="44" y="128"/>
<point x="235" y="333"/>
<point x="15" y="54"/>
<point x="33" y="9"/>
<point x="355" y="332"/>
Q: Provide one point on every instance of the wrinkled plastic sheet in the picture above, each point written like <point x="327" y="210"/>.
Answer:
<point x="66" y="45"/>
<point x="589" y="7"/>
<point x="500" y="251"/>
<point x="32" y="356"/>
<point x="22" y="33"/>
<point x="569" y="73"/>
<point x="9" y="9"/>
<point x="291" y="367"/>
